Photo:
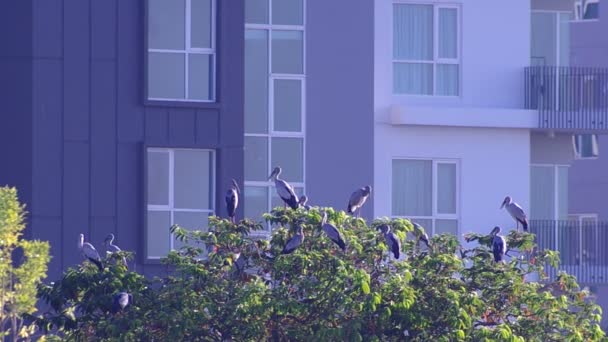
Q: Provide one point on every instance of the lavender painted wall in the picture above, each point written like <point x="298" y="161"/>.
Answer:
<point x="340" y="108"/>
<point x="589" y="178"/>
<point x="78" y="122"/>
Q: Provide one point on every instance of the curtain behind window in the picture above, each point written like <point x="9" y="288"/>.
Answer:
<point x="412" y="188"/>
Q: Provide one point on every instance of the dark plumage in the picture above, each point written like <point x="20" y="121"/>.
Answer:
<point x="333" y="233"/>
<point x="120" y="301"/>
<point x="499" y="245"/>
<point x="357" y="199"/>
<point x="302" y="202"/>
<point x="420" y="234"/>
<point x="284" y="190"/>
<point x="232" y="199"/>
<point x="295" y="241"/>
<point x="392" y="241"/>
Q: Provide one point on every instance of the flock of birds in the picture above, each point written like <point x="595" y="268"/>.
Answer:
<point x="290" y="198"/>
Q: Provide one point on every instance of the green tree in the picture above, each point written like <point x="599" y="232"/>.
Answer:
<point x="228" y="285"/>
<point x="23" y="265"/>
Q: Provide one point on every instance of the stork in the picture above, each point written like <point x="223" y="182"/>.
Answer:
<point x="499" y="245"/>
<point x="88" y="251"/>
<point x="392" y="241"/>
<point x="420" y="234"/>
<point x="120" y="301"/>
<point x="516" y="212"/>
<point x="284" y="190"/>
<point x="332" y="232"/>
<point x="232" y="200"/>
<point x="295" y="241"/>
<point x="302" y="202"/>
<point x="357" y="199"/>
<point x="112" y="248"/>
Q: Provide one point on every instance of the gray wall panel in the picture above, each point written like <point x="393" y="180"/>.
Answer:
<point x="48" y="28"/>
<point x="182" y="126"/>
<point x="103" y="29"/>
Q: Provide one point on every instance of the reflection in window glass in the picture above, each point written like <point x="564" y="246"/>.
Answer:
<point x="289" y="154"/>
<point x="288" y="105"/>
<point x="256" y="81"/>
<point x="159" y="237"/>
<point x="200" y="18"/>
<point x="287" y="52"/>
<point x="287" y="12"/>
<point x="256" y="158"/>
<point x="166" y="25"/>
<point x="166" y="75"/>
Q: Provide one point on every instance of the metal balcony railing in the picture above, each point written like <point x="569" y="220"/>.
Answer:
<point x="568" y="98"/>
<point x="583" y="248"/>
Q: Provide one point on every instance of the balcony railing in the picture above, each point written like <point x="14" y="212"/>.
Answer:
<point x="583" y="248"/>
<point x="568" y="98"/>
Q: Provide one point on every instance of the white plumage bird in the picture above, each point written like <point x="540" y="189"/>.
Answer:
<point x="516" y="212"/>
<point x="88" y="251"/>
<point x="112" y="248"/>
<point x="284" y="190"/>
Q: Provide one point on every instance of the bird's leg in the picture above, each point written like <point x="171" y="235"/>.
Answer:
<point x="517" y="222"/>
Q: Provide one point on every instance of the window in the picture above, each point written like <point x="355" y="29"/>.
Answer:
<point x="426" y="191"/>
<point x="181" y="50"/>
<point x="426" y="56"/>
<point x="180" y="190"/>
<point x="550" y="38"/>
<point x="549" y="192"/>
<point x="586" y="10"/>
<point x="585" y="146"/>
<point x="274" y="99"/>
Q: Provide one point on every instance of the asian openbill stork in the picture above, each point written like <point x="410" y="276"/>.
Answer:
<point x="284" y="190"/>
<point x="392" y="241"/>
<point x="302" y="202"/>
<point x="112" y="248"/>
<point x="120" y="301"/>
<point x="516" y="212"/>
<point x="420" y="234"/>
<point x="333" y="233"/>
<point x="88" y="251"/>
<point x="232" y="200"/>
<point x="357" y="199"/>
<point x="499" y="245"/>
<point x="295" y="241"/>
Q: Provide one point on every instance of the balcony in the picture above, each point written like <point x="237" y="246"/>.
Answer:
<point x="572" y="99"/>
<point x="582" y="247"/>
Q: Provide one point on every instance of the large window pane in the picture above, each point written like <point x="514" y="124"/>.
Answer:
<point x="562" y="192"/>
<point x="158" y="178"/>
<point x="159" y="236"/>
<point x="166" y="73"/>
<point x="256" y="81"/>
<point x="544" y="38"/>
<point x="542" y="183"/>
<point x="193" y="179"/>
<point x="446" y="188"/>
<point x="256" y="11"/>
<point x="287" y="52"/>
<point x="412" y="188"/>
<point x="413" y="78"/>
<point x="288" y="105"/>
<point x="200" y="80"/>
<point x="166" y="24"/>
<point x="256" y="159"/>
<point x="287" y="12"/>
<point x="446" y="226"/>
<point x="256" y="202"/>
<point x="448" y="27"/>
<point x="564" y="38"/>
<point x="447" y="79"/>
<point x="200" y="23"/>
<point x="190" y="221"/>
<point x="288" y="153"/>
<point x="413" y="32"/>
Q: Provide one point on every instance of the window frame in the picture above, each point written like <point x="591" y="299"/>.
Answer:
<point x="436" y="59"/>
<point x="435" y="215"/>
<point x="271" y="133"/>
<point x="212" y="52"/>
<point x="578" y="139"/>
<point x="170" y="207"/>
<point x="580" y="9"/>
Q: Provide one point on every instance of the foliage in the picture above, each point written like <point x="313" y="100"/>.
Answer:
<point x="229" y="285"/>
<point x="23" y="265"/>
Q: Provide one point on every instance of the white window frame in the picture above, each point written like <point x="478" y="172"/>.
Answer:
<point x="170" y="207"/>
<point x="580" y="7"/>
<point x="577" y="138"/>
<point x="436" y="59"/>
<point x="435" y="214"/>
<point x="555" y="185"/>
<point x="269" y="28"/>
<point x="189" y="50"/>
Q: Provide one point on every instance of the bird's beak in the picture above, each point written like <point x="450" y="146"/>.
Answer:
<point x="502" y="205"/>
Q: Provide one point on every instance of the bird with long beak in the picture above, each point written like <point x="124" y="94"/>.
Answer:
<point x="295" y="241"/>
<point x="516" y="212"/>
<point x="112" y="248"/>
<point x="357" y="199"/>
<point x="302" y="202"/>
<point x="332" y="232"/>
<point x="232" y="200"/>
<point x="284" y="190"/>
<point x="499" y="245"/>
<point x="89" y="252"/>
<point x="392" y="241"/>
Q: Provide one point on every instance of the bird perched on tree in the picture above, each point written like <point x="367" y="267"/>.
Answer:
<point x="232" y="200"/>
<point x="120" y="301"/>
<point x="392" y="241"/>
<point x="302" y="202"/>
<point x="516" y="212"/>
<point x="332" y="232"/>
<point x="499" y="245"/>
<point x="357" y="199"/>
<point x="295" y="241"/>
<point x="420" y="234"/>
<point x="89" y="252"/>
<point x="112" y="248"/>
<point x="284" y="190"/>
